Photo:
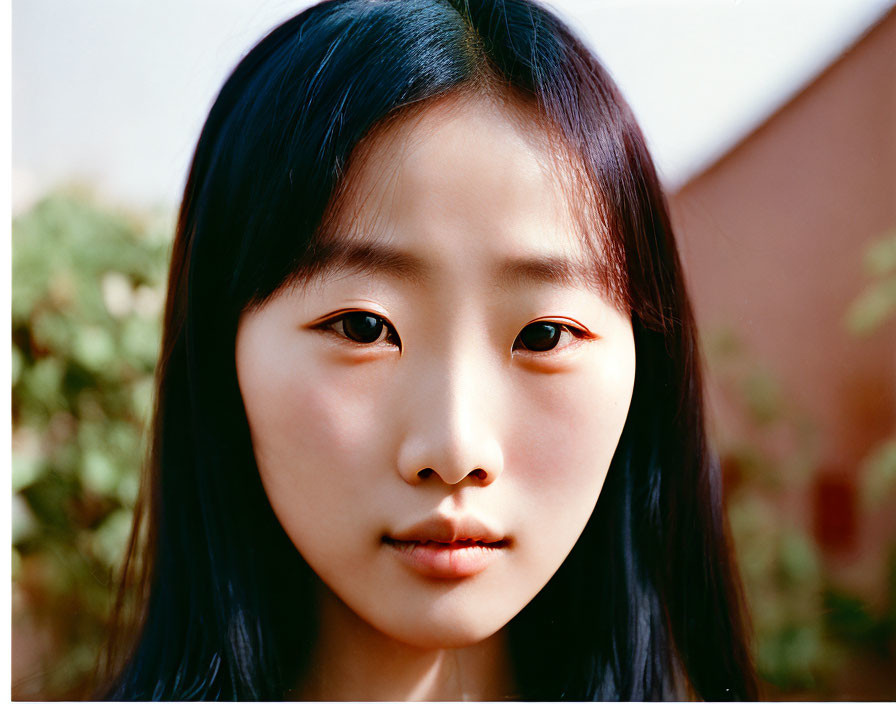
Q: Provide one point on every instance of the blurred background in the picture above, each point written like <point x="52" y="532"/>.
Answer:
<point x="773" y="124"/>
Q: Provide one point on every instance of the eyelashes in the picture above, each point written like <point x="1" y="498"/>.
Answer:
<point x="367" y="329"/>
<point x="547" y="336"/>
<point x="361" y="327"/>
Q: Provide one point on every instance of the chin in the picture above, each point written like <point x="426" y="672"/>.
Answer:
<point x="461" y="631"/>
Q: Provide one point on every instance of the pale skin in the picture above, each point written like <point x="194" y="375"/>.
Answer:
<point x="455" y="409"/>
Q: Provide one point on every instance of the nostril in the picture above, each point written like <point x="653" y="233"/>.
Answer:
<point x="477" y="473"/>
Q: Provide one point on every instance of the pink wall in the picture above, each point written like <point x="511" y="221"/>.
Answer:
<point x="772" y="238"/>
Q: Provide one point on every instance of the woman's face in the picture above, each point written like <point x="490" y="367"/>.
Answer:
<point x="433" y="416"/>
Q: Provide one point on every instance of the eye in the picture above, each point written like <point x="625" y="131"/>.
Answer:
<point x="362" y="327"/>
<point x="544" y="336"/>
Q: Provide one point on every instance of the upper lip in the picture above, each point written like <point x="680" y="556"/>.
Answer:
<point x="448" y="529"/>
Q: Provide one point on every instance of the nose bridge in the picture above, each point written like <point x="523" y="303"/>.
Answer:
<point x="451" y="429"/>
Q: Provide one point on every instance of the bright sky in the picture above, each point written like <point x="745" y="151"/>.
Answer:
<point x="115" y="93"/>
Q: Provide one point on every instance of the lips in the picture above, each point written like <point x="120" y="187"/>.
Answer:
<point x="443" y="547"/>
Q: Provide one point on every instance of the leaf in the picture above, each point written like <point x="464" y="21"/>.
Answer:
<point x="880" y="256"/>
<point x="98" y="473"/>
<point x="762" y="394"/>
<point x="873" y="307"/>
<point x="94" y="348"/>
<point x="879" y="475"/>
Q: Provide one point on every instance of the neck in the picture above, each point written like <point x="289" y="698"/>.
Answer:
<point x="352" y="661"/>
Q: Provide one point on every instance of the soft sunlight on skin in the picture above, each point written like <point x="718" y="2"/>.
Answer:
<point x="439" y="421"/>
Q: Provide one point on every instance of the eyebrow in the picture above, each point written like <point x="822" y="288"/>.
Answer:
<point x="378" y="259"/>
<point x="369" y="258"/>
<point x="554" y="270"/>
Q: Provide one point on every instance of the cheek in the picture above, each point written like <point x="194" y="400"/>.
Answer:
<point x="298" y="406"/>
<point x="313" y="432"/>
<point x="570" y="430"/>
<point x="564" y="437"/>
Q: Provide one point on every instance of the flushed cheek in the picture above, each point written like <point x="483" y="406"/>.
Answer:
<point x="564" y="436"/>
<point x="315" y="444"/>
<point x="560" y="433"/>
<point x="327" y="420"/>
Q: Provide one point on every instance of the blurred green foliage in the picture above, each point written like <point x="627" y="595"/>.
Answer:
<point x="877" y="303"/>
<point x="808" y="628"/>
<point x="875" y="307"/>
<point x="88" y="290"/>
<point x="779" y="562"/>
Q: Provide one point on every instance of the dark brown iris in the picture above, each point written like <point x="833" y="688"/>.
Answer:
<point x="362" y="327"/>
<point x="539" y="337"/>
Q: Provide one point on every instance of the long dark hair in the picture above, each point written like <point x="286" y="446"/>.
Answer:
<point x="647" y="605"/>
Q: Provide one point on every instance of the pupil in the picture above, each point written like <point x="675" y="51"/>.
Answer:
<point x="362" y="327"/>
<point x="540" y="337"/>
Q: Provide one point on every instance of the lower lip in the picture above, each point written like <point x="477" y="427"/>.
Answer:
<point x="446" y="560"/>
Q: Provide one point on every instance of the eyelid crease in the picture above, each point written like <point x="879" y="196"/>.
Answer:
<point x="333" y="316"/>
<point x="575" y="327"/>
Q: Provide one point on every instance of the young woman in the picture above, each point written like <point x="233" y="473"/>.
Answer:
<point x="429" y="420"/>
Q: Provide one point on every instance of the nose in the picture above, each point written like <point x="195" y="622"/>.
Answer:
<point x="451" y="433"/>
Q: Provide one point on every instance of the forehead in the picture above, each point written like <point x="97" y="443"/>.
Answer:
<point x="463" y="174"/>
